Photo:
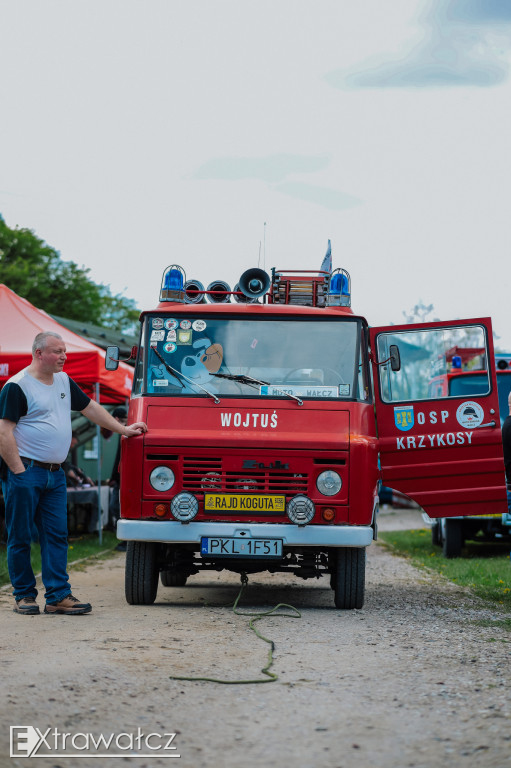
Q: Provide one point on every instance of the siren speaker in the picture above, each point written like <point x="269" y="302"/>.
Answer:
<point x="216" y="292"/>
<point x="244" y="299"/>
<point x="254" y="283"/>
<point x="194" y="298"/>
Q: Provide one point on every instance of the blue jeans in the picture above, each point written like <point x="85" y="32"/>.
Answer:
<point x="37" y="496"/>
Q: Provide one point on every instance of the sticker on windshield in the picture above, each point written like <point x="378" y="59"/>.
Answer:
<point x="184" y="337"/>
<point x="344" y="390"/>
<point x="171" y="325"/>
<point x="170" y="347"/>
<point x="299" y="390"/>
<point x="160" y="383"/>
<point x="157" y="335"/>
<point x="171" y="336"/>
<point x="157" y="322"/>
<point x="185" y="324"/>
<point x="469" y="414"/>
<point x="199" y="325"/>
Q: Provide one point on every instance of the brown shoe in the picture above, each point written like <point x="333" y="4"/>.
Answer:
<point x="68" y="605"/>
<point x="27" y="606"/>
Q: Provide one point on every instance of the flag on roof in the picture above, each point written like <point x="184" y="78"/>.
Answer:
<point x="326" y="265"/>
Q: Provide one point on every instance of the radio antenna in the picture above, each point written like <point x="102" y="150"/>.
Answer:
<point x="264" y="246"/>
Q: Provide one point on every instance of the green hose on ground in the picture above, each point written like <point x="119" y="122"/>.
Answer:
<point x="271" y="677"/>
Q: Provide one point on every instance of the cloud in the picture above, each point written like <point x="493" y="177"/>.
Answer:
<point x="478" y="11"/>
<point x="465" y="43"/>
<point x="324" y="196"/>
<point x="272" y="169"/>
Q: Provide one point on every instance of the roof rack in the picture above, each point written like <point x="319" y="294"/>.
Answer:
<point x="305" y="287"/>
<point x="310" y="288"/>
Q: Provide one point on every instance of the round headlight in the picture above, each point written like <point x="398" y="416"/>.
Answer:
<point x="329" y="483"/>
<point x="300" y="510"/>
<point x="162" y="478"/>
<point x="184" y="506"/>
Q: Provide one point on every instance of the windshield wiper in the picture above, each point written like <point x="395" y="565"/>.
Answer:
<point x="169" y="369"/>
<point x="174" y="372"/>
<point x="294" y="397"/>
<point x="244" y="379"/>
<point x="241" y="377"/>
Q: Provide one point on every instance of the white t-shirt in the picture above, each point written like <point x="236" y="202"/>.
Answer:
<point x="42" y="413"/>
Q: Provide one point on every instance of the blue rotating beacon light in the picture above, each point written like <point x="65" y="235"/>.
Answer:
<point x="173" y="284"/>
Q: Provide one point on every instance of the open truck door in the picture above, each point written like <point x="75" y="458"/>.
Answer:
<point x="443" y="451"/>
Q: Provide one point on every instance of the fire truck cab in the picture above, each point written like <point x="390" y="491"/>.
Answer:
<point x="274" y="413"/>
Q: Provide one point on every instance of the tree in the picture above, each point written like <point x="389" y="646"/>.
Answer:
<point x="35" y="271"/>
<point x="420" y="313"/>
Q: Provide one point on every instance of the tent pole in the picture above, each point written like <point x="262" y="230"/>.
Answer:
<point x="98" y="438"/>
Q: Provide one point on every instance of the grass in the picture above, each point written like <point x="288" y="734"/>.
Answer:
<point x="484" y="568"/>
<point x="503" y="623"/>
<point x="80" y="547"/>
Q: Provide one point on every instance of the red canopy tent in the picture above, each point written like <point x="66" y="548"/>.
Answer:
<point x="20" y="322"/>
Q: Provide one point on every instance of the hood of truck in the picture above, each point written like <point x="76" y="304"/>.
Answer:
<point x="323" y="425"/>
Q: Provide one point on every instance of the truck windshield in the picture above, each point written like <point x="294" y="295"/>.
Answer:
<point x="266" y="357"/>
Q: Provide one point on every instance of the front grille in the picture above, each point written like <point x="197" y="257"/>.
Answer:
<point x="203" y="475"/>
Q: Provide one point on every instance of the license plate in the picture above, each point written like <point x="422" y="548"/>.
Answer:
<point x="304" y="391"/>
<point x="225" y="546"/>
<point x="241" y="502"/>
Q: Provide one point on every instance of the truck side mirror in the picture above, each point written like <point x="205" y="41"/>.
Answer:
<point x="395" y="358"/>
<point x="112" y="358"/>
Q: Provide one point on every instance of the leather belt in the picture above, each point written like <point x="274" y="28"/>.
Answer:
<point x="43" y="464"/>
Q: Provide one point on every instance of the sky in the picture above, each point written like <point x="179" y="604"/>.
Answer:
<point x="227" y="134"/>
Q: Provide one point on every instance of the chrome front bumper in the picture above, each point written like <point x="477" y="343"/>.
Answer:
<point x="173" y="532"/>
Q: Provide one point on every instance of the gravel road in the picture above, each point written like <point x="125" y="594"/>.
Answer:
<point x="410" y="680"/>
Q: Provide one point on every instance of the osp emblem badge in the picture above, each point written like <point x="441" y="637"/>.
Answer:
<point x="403" y="418"/>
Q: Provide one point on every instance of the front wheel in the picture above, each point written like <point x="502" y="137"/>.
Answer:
<point x="141" y="577"/>
<point x="348" y="577"/>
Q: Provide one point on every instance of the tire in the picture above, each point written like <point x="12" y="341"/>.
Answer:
<point x="348" y="578"/>
<point x="173" y="578"/>
<point x="453" y="539"/>
<point x="436" y="534"/>
<point x="141" y="576"/>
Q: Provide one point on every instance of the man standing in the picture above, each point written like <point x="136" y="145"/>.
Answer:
<point x="35" y="435"/>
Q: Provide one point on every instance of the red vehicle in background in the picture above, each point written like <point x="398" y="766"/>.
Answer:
<point x="274" y="413"/>
<point x="466" y="372"/>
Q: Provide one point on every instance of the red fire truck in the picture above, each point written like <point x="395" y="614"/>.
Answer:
<point x="274" y="413"/>
<point x="465" y="374"/>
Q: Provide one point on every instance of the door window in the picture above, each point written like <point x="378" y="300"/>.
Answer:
<point x="436" y="363"/>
